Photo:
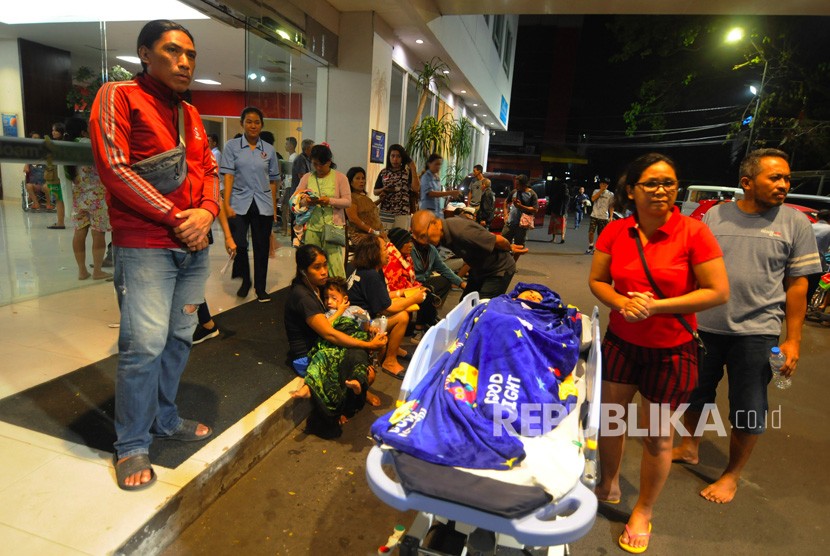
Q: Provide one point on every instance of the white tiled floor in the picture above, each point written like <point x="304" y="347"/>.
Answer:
<point x="57" y="497"/>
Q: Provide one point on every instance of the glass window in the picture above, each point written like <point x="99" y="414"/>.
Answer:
<point x="508" y="51"/>
<point x="498" y="31"/>
<point x="412" y="98"/>
<point x="52" y="72"/>
<point x="395" y="114"/>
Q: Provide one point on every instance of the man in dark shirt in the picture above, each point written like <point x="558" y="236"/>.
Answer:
<point x="488" y="255"/>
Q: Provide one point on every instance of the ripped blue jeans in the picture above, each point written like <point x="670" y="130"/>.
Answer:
<point x="158" y="292"/>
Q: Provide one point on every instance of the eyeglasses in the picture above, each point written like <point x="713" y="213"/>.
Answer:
<point x="422" y="237"/>
<point x="651" y="186"/>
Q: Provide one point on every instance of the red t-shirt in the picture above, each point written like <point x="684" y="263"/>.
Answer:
<point x="672" y="251"/>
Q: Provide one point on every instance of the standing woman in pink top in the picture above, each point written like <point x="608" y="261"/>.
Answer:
<point x="332" y="195"/>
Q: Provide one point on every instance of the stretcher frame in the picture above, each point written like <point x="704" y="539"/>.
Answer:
<point x="554" y="525"/>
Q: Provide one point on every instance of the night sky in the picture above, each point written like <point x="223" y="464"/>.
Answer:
<point x="567" y="92"/>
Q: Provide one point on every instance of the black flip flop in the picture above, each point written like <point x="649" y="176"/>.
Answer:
<point x="131" y="466"/>
<point x="399" y="375"/>
<point x="187" y="432"/>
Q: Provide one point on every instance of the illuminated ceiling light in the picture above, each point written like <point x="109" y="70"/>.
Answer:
<point x="475" y="105"/>
<point x="419" y="41"/>
<point x="463" y="92"/>
<point x="130" y="59"/>
<point x="252" y="76"/>
<point x="735" y="34"/>
<point x="60" y="11"/>
<point x="207" y="81"/>
<point x="262" y="78"/>
<point x="753" y="89"/>
<point x="283" y="34"/>
<point x="446" y="72"/>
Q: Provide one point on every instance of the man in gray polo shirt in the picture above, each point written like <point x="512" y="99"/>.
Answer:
<point x="769" y="250"/>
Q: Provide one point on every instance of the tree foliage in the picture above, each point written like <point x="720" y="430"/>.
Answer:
<point x="684" y="63"/>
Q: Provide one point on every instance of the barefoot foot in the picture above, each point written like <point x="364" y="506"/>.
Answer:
<point x="372" y="399"/>
<point x="303" y="392"/>
<point x="101" y="275"/>
<point x="681" y="454"/>
<point x="83" y="275"/>
<point x="353" y="385"/>
<point x="721" y="491"/>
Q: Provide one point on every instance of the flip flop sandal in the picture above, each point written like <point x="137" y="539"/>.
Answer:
<point x="55" y="227"/>
<point x="131" y="466"/>
<point x="187" y="432"/>
<point x="399" y="375"/>
<point x="634" y="549"/>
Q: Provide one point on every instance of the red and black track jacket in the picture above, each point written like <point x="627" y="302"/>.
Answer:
<point x="132" y="121"/>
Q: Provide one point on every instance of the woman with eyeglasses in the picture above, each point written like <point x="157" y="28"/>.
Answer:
<point x="655" y="269"/>
<point x="329" y="194"/>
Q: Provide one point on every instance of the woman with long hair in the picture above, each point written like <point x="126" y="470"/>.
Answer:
<point x="397" y="184"/>
<point x="654" y="269"/>
<point x="331" y="195"/>
<point x="368" y="289"/>
<point x="306" y="327"/>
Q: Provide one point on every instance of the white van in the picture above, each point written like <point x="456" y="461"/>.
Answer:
<point x="697" y="193"/>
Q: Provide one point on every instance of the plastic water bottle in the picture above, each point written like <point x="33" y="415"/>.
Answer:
<point x="382" y="323"/>
<point x="776" y="361"/>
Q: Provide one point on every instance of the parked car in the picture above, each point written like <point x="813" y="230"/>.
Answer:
<point x="695" y="194"/>
<point x="502" y="185"/>
<point x="816" y="202"/>
<point x="707" y="204"/>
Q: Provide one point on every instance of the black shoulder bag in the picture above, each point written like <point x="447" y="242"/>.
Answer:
<point x="659" y="292"/>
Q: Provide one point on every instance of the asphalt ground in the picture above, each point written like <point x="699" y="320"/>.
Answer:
<point x="309" y="496"/>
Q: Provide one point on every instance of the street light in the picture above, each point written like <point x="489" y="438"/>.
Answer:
<point x="736" y="34"/>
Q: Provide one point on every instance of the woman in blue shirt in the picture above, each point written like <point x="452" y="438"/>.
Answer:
<point x="431" y="189"/>
<point x="251" y="172"/>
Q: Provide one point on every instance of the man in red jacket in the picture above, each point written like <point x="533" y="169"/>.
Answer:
<point x="160" y="241"/>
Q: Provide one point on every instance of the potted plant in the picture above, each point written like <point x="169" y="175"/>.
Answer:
<point x="85" y="85"/>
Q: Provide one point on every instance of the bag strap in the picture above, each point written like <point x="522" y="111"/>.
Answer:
<point x="659" y="292"/>
<point x="181" y="125"/>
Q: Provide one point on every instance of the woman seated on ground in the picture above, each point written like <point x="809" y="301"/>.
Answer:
<point x="399" y="270"/>
<point x="367" y="289"/>
<point x="306" y="325"/>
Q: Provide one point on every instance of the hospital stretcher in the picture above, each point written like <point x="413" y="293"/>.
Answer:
<point x="551" y="526"/>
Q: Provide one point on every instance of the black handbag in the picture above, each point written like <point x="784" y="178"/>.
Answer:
<point x="659" y="292"/>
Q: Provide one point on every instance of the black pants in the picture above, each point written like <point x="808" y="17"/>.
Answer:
<point x="260" y="227"/>
<point x="203" y="312"/>
<point x="488" y="287"/>
<point x="428" y="313"/>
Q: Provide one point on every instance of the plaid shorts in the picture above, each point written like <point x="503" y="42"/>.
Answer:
<point x="662" y="375"/>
